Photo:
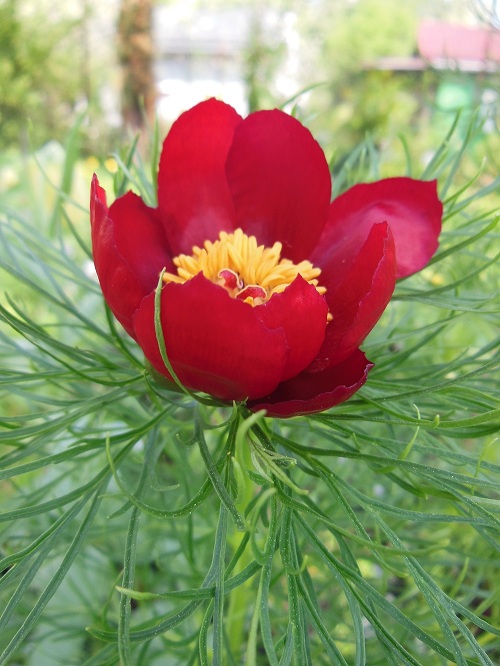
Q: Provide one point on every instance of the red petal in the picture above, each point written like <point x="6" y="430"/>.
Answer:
<point x="193" y="194"/>
<point x="129" y="251"/>
<point x="358" y="300"/>
<point x="280" y="182"/>
<point x="301" y="312"/>
<point x="312" y="392"/>
<point x="412" y="209"/>
<point x="215" y="343"/>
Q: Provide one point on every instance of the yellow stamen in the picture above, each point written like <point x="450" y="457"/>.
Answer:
<point x="246" y="270"/>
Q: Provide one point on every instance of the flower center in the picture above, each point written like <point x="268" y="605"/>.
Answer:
<point x="250" y="272"/>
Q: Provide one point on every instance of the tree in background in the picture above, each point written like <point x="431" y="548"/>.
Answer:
<point x="56" y="61"/>
<point x="357" y="100"/>
<point x="36" y="57"/>
<point x="136" y="53"/>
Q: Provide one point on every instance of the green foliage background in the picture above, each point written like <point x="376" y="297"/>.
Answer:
<point x="36" y="58"/>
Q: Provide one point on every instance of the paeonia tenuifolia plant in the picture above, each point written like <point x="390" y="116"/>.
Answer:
<point x="268" y="288"/>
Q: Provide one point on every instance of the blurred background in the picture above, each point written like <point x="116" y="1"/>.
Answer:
<point x="351" y="69"/>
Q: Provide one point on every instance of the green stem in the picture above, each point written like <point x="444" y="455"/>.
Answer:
<point x="238" y="603"/>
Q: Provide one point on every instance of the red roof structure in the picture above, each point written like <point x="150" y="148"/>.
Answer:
<point x="448" y="46"/>
<point x="467" y="48"/>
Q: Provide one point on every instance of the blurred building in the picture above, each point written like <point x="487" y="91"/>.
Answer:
<point x="198" y="55"/>
<point x="450" y="47"/>
<point x="466" y="62"/>
<point x="204" y="53"/>
<point x="465" y="48"/>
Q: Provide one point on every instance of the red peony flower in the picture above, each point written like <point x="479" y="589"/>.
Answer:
<point x="269" y="289"/>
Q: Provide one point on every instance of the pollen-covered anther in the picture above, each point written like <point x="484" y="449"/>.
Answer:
<point x="246" y="270"/>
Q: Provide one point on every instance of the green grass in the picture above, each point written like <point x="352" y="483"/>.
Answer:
<point x="139" y="526"/>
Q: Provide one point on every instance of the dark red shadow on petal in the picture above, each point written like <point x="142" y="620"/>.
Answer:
<point x="280" y="182"/>
<point x="193" y="194"/>
<point x="301" y="312"/>
<point x="412" y="209"/>
<point x="140" y="239"/>
<point x="129" y="250"/>
<point x="312" y="392"/>
<point x="358" y="298"/>
<point x="215" y="343"/>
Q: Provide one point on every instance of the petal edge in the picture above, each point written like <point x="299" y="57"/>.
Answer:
<point x="312" y="392"/>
